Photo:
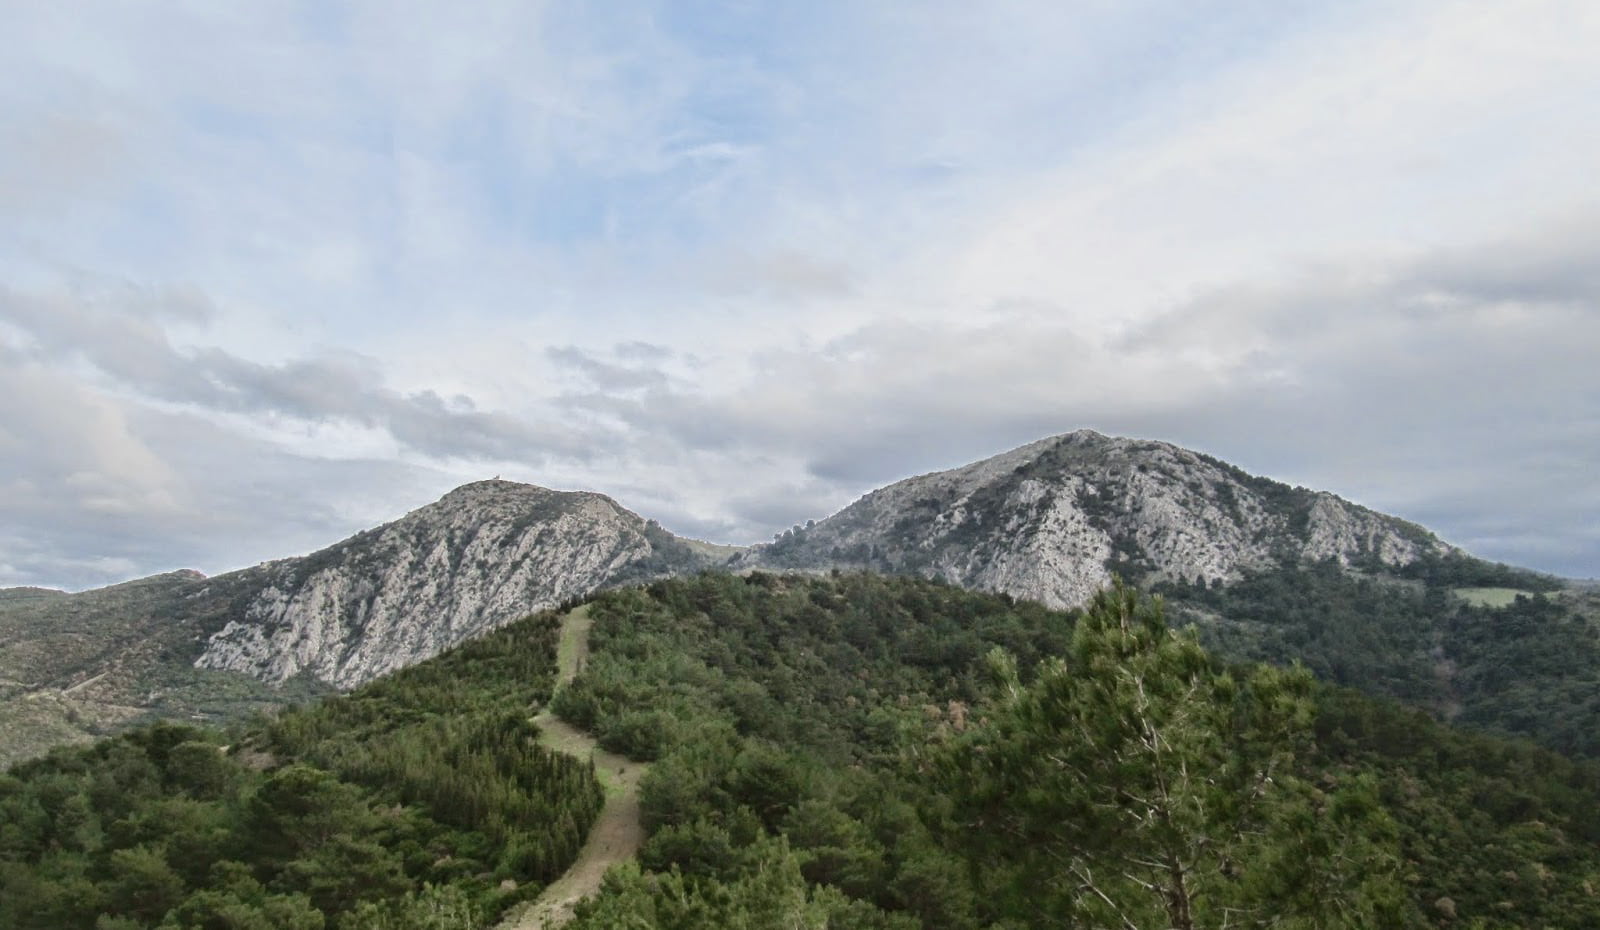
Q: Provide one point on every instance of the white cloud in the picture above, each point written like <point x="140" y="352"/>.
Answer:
<point x="1445" y="121"/>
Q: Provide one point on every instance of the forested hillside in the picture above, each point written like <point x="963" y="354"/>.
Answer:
<point x="420" y="797"/>
<point x="834" y="749"/>
<point x="845" y="751"/>
<point x="184" y="647"/>
<point x="1484" y="646"/>
<point x="1265" y="572"/>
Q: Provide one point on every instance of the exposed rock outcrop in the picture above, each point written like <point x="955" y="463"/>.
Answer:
<point x="1052" y="520"/>
<point x="481" y="556"/>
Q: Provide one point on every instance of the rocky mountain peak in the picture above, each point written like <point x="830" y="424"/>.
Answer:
<point x="496" y="498"/>
<point x="1054" y="519"/>
<point x="495" y="492"/>
<point x="484" y="554"/>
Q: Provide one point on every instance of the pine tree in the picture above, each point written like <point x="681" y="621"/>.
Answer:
<point x="1136" y="784"/>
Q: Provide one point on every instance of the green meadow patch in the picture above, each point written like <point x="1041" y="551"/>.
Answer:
<point x="1490" y="597"/>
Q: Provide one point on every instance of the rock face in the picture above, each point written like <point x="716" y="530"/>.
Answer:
<point x="485" y="554"/>
<point x="1052" y="520"/>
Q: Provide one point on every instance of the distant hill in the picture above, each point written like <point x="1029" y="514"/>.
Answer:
<point x="183" y="646"/>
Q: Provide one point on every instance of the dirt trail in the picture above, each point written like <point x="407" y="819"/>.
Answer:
<point x="617" y="833"/>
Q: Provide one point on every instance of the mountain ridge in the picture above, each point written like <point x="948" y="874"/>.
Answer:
<point x="1052" y="521"/>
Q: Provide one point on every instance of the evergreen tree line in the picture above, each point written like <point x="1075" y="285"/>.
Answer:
<point x="422" y="800"/>
<point x="872" y="752"/>
<point x="1529" y="669"/>
<point x="850" y="751"/>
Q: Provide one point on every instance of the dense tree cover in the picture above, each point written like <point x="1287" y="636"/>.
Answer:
<point x="851" y="751"/>
<point x="1362" y="632"/>
<point x="764" y="655"/>
<point x="1135" y="784"/>
<point x="846" y="730"/>
<point x="779" y="710"/>
<point x="420" y="800"/>
<point x="1531" y="668"/>
<point x="1458" y="570"/>
<point x="1492" y="830"/>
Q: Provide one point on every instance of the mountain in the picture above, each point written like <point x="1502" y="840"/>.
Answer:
<point x="821" y="746"/>
<point x="1052" y="520"/>
<point x="1264" y="572"/>
<point x="484" y="554"/>
<point x="183" y="646"/>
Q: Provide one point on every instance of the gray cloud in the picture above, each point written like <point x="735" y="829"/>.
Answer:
<point x="96" y="489"/>
<point x="1560" y="264"/>
<point x="122" y="337"/>
<point x="609" y="376"/>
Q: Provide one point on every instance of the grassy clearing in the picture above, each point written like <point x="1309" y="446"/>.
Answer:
<point x="572" y="649"/>
<point x="1490" y="597"/>
<point x="711" y="550"/>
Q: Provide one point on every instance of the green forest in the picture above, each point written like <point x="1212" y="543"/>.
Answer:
<point x="421" y="797"/>
<point x="844" y="751"/>
<point x="863" y="751"/>
<point x="1528" y="669"/>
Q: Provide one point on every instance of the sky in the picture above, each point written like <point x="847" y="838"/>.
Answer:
<point x="272" y="273"/>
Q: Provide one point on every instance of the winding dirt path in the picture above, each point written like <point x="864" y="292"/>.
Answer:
<point x="617" y="834"/>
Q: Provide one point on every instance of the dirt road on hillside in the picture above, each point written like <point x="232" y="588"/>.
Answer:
<point x="617" y="834"/>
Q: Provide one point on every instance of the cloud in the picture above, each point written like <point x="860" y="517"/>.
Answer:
<point x="124" y="342"/>
<point x="61" y="440"/>
<point x="608" y="376"/>
<point x="96" y="488"/>
<point x="80" y="489"/>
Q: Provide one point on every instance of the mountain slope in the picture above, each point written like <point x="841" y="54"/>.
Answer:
<point x="79" y="665"/>
<point x="481" y="556"/>
<point x="1263" y="571"/>
<point x="814" y="708"/>
<point x="183" y="646"/>
<point x="425" y="793"/>
<point x="1052" y="520"/>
